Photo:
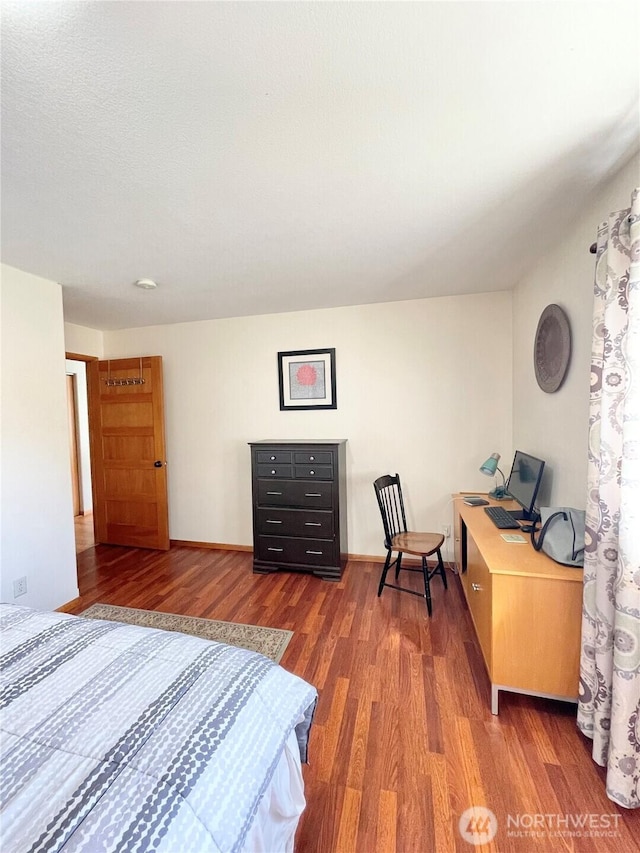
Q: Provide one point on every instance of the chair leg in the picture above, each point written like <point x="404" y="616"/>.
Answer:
<point x="383" y="576"/>
<point x="427" y="588"/>
<point x="398" y="565"/>
<point x="441" y="569"/>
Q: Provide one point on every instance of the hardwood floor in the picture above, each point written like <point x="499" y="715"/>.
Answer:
<point x="403" y="741"/>
<point x="83" y="528"/>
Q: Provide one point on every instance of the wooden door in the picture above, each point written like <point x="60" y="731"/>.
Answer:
<point x="126" y="426"/>
<point x="73" y="442"/>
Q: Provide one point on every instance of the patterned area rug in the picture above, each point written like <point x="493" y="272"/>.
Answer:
<point x="270" y="642"/>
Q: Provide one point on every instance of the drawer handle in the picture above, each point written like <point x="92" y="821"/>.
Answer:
<point x="312" y="495"/>
<point x="318" y="553"/>
<point x="313" y="524"/>
<point x="476" y="587"/>
<point x="275" y="549"/>
<point x="312" y="459"/>
<point x="274" y="493"/>
<point x="272" y="458"/>
<point x="272" y="521"/>
<point x="312" y="472"/>
<point x="273" y="470"/>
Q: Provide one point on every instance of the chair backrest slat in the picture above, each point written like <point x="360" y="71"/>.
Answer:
<point x="389" y="494"/>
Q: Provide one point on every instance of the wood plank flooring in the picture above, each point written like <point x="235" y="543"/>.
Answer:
<point x="403" y="741"/>
<point x="83" y="528"/>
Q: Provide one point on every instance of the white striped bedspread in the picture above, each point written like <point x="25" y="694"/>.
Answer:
<point x="122" y="738"/>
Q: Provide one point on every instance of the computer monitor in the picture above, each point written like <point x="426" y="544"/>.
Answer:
<point x="524" y="482"/>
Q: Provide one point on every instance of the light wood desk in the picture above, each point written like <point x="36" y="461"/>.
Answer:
<point x="526" y="608"/>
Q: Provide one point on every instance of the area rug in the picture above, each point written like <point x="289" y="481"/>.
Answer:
<point x="270" y="642"/>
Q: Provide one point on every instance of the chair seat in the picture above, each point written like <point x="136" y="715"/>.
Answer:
<point x="420" y="544"/>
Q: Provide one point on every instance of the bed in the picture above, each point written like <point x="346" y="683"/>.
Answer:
<point x="121" y="738"/>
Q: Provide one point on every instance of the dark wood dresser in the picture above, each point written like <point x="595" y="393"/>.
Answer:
<point x="299" y="506"/>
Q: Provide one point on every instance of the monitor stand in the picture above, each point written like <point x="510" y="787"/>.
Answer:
<point x="523" y="515"/>
<point x="519" y="514"/>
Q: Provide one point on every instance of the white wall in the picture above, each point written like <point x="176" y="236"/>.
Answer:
<point x="554" y="426"/>
<point x="36" y="511"/>
<point x="79" y="340"/>
<point x="423" y="388"/>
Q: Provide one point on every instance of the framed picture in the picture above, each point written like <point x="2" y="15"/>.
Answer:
<point x="307" y="379"/>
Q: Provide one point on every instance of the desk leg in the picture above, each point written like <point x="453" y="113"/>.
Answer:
<point x="494" y="699"/>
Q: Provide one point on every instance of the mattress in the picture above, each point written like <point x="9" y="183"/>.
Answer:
<point x="122" y="738"/>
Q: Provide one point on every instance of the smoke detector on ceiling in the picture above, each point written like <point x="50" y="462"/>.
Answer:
<point x="145" y="284"/>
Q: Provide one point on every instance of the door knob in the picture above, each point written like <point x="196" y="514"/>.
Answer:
<point x="157" y="464"/>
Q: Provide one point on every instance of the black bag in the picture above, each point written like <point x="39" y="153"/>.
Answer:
<point x="561" y="536"/>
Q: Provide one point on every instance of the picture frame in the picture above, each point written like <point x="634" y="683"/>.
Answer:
<point x="307" y="379"/>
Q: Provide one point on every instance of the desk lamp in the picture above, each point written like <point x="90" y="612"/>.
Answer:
<point x="489" y="468"/>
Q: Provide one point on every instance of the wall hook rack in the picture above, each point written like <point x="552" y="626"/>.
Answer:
<point x="130" y="380"/>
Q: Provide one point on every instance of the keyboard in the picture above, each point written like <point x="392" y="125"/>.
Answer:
<point x="501" y="518"/>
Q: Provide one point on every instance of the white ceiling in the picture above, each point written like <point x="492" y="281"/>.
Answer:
<point x="266" y="157"/>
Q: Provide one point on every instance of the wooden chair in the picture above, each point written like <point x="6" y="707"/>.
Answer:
<point x="401" y="541"/>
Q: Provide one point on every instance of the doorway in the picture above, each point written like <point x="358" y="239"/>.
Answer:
<point x="79" y="453"/>
<point x="125" y="459"/>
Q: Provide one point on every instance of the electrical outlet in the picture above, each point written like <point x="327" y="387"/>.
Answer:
<point x="446" y="531"/>
<point x="19" y="586"/>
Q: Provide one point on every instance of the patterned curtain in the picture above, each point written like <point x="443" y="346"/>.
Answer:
<point x="609" y="706"/>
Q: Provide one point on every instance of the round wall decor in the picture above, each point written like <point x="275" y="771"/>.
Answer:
<point x="552" y="348"/>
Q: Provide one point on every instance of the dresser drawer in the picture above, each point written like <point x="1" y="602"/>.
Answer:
<point x="313" y="472"/>
<point x="295" y="522"/>
<point x="275" y="470"/>
<point x="318" y="457"/>
<point x="310" y="552"/>
<point x="268" y="456"/>
<point x="296" y="493"/>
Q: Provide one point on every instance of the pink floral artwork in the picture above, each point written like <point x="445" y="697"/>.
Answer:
<point x="306" y="380"/>
<point x="307" y="375"/>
